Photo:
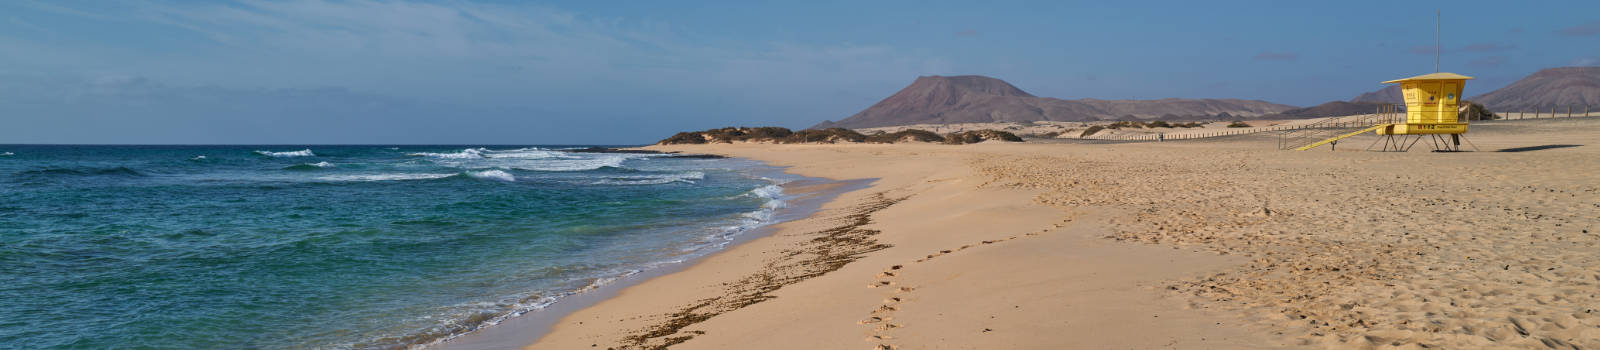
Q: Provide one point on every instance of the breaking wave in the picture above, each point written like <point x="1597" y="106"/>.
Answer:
<point x="300" y="153"/>
<point x="688" y="177"/>
<point x="572" y="164"/>
<point x="470" y="153"/>
<point x="496" y="175"/>
<point x="485" y="153"/>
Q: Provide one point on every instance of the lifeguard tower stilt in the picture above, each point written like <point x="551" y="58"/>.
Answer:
<point x="1432" y="112"/>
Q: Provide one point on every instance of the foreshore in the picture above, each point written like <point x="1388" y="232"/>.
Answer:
<point x="1222" y="244"/>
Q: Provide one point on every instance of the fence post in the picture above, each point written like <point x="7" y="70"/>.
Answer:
<point x="1569" y="111"/>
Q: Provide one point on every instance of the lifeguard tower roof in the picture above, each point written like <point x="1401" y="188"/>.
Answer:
<point x="1434" y="76"/>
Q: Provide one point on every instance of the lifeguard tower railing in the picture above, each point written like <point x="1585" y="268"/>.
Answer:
<point x="1335" y="126"/>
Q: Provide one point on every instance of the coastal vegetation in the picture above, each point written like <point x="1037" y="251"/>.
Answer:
<point x="831" y="135"/>
<point x="1091" y="131"/>
<point x="977" y="136"/>
<point x="907" y="135"/>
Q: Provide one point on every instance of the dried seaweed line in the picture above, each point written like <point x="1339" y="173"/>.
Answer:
<point x="829" y="251"/>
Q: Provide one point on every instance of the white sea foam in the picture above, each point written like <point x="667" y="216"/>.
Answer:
<point x="497" y="175"/>
<point x="470" y="153"/>
<point x="687" y="177"/>
<point x="384" y="177"/>
<point x="485" y="153"/>
<point x="321" y="164"/>
<point x="7" y="154"/>
<point x="200" y="157"/>
<point x="768" y="191"/>
<point x="300" y="153"/>
<point x="571" y="164"/>
<point x="527" y="153"/>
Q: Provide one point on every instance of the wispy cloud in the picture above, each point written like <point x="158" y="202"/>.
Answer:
<point x="1472" y="48"/>
<point x="1488" y="62"/>
<point x="1277" y="56"/>
<point x="1586" y="61"/>
<point x="1486" y="47"/>
<point x="1586" y="29"/>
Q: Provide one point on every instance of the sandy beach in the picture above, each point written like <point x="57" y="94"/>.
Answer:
<point x="1222" y="243"/>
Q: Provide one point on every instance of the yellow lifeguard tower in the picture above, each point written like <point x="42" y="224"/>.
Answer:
<point x="1432" y="111"/>
<point x="1432" y="108"/>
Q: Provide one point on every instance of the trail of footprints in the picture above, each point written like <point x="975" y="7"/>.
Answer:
<point x="881" y="318"/>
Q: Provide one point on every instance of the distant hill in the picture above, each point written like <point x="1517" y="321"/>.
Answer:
<point x="1389" y="94"/>
<point x="980" y="99"/>
<point x="1553" y="87"/>
<point x="1330" y="109"/>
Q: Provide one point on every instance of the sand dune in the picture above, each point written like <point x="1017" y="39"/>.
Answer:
<point x="1222" y="243"/>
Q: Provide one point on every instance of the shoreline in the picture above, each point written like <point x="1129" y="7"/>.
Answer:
<point x="925" y="217"/>
<point x="1224" y="244"/>
<point x="802" y="196"/>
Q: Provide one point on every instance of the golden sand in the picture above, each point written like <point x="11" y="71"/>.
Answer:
<point x="1220" y="244"/>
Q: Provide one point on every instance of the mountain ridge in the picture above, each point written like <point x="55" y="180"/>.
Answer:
<point x="980" y="99"/>
<point x="1547" y="88"/>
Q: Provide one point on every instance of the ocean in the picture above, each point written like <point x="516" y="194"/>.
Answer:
<point x="338" y="247"/>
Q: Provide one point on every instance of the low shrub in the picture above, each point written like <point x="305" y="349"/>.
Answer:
<point x="829" y="135"/>
<point x="728" y="135"/>
<point x="1046" y="135"/>
<point x="1091" y="131"/>
<point x="906" y="135"/>
<point x="976" y="136"/>
<point x="1238" y="124"/>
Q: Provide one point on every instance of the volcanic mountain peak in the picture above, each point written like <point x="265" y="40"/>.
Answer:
<point x="977" y="84"/>
<point x="1388" y="94"/>
<point x="980" y="99"/>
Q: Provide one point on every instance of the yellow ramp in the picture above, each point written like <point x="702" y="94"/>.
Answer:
<point x="1340" y="137"/>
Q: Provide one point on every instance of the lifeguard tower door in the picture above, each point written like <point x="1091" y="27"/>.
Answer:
<point x="1447" y="110"/>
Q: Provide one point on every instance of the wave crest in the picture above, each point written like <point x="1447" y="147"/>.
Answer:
<point x="688" y="177"/>
<point x="300" y="153"/>
<point x="470" y="153"/>
<point x="496" y="175"/>
<point x="485" y="153"/>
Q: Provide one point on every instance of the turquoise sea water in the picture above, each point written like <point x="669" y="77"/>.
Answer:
<point x="336" y="247"/>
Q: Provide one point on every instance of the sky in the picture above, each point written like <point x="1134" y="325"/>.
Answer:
<point x="633" y="72"/>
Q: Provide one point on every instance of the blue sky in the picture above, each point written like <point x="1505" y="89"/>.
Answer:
<point x="631" y="72"/>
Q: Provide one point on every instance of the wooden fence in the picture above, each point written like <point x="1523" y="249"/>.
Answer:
<point x="1354" y="121"/>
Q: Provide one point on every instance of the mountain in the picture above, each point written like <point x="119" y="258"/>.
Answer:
<point x="1552" y="87"/>
<point x="1388" y="94"/>
<point x="1330" y="109"/>
<point x="980" y="99"/>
